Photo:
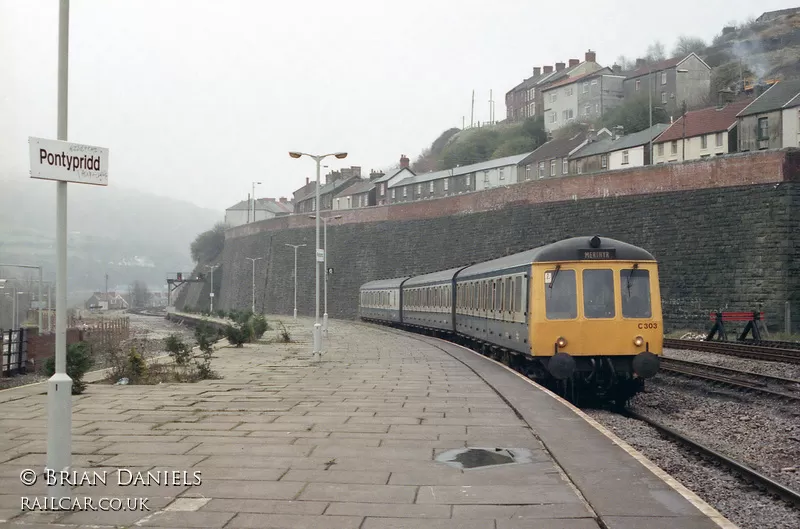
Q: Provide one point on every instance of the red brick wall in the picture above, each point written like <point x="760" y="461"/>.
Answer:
<point x="41" y="347"/>
<point x="729" y="171"/>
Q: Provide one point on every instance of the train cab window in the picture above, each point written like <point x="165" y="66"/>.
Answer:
<point x="598" y="294"/>
<point x="560" y="294"/>
<point x="635" y="286"/>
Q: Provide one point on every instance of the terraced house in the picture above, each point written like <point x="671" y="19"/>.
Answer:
<point x="772" y="120"/>
<point x="617" y="152"/>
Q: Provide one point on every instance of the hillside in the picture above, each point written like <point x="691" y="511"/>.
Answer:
<point x="124" y="233"/>
<point x="741" y="55"/>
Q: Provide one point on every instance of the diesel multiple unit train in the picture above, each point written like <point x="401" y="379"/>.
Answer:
<point x="581" y="316"/>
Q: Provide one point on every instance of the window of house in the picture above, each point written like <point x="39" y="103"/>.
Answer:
<point x="541" y="169"/>
<point x="394" y="195"/>
<point x="430" y="187"/>
<point x="446" y="184"/>
<point x="624" y="157"/>
<point x="502" y="175"/>
<point x="381" y="189"/>
<point x="587" y="109"/>
<point x="568" y="91"/>
<point x="638" y="84"/>
<point x="674" y="147"/>
<point x="719" y="139"/>
<point x="663" y="77"/>
<point x="405" y="191"/>
<point x="528" y="172"/>
<point x="349" y="202"/>
<point x="553" y="97"/>
<point x="663" y="97"/>
<point x="704" y="141"/>
<point x="603" y="161"/>
<point x="337" y="204"/>
<point x="565" y="167"/>
<point x="552" y="167"/>
<point x="594" y="82"/>
<point x="553" y="117"/>
<point x="763" y="129"/>
<point x="419" y="189"/>
<point x="661" y="149"/>
<point x="585" y="87"/>
<point x="466" y="180"/>
<point x="313" y="204"/>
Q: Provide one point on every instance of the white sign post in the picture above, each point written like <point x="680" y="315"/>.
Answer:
<point x="63" y="162"/>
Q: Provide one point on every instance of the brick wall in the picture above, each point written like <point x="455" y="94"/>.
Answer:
<point x="43" y="346"/>
<point x="724" y="232"/>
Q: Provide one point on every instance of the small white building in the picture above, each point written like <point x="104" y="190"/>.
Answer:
<point x="265" y="208"/>
<point x="700" y="134"/>
<point x="617" y="152"/>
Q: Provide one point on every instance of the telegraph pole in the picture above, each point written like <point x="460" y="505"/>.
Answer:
<point x="472" y="111"/>
<point x="491" y="107"/>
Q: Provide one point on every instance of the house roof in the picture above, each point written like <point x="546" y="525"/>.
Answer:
<point x="301" y="195"/>
<point x="661" y="65"/>
<point x="391" y="174"/>
<point x="556" y="148"/>
<point x="783" y="94"/>
<point x="358" y="187"/>
<point x="570" y="80"/>
<point x="531" y="82"/>
<point x="705" y="121"/>
<point x="623" y="142"/>
<point x="264" y="204"/>
<point x="464" y="169"/>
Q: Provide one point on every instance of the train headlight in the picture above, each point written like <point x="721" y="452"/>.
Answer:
<point x="638" y="341"/>
<point x="561" y="342"/>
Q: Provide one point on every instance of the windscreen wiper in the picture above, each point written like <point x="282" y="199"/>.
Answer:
<point x="630" y="275"/>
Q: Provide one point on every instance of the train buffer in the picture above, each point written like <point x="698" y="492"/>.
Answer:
<point x="754" y="319"/>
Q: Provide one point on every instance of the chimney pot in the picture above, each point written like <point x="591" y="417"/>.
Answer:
<point x="617" y="68"/>
<point x="591" y="56"/>
<point x="548" y="69"/>
<point x="640" y="62"/>
<point x="306" y="180"/>
<point x="403" y="161"/>
<point x="537" y="71"/>
<point x="560" y="66"/>
<point x="574" y="62"/>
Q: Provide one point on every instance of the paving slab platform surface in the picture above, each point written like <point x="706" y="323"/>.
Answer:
<point x="350" y="442"/>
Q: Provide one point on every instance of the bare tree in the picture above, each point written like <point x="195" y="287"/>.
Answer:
<point x="686" y="45"/>
<point x="655" y="52"/>
<point x="625" y="63"/>
<point x="140" y="295"/>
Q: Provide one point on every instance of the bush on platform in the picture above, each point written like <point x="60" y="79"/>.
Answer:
<point x="79" y="362"/>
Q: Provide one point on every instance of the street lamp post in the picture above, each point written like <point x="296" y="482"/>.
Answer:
<point x="253" y="260"/>
<point x="295" y="246"/>
<point x="211" y="294"/>
<point x="325" y="221"/>
<point x="254" y="199"/>
<point x="317" y="326"/>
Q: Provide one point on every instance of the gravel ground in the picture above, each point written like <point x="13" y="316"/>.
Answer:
<point x="775" y="369"/>
<point x="760" y="433"/>
<point x="147" y="335"/>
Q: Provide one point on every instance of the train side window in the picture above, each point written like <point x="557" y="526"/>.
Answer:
<point x="635" y="287"/>
<point x="518" y="294"/>
<point x="561" y="295"/>
<point x="598" y="294"/>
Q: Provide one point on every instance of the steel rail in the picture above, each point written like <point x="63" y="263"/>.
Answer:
<point x="770" y="484"/>
<point x="770" y="354"/>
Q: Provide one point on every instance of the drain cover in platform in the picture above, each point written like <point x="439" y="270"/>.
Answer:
<point x="475" y="457"/>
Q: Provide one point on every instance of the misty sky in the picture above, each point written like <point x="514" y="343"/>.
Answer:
<point x="197" y="99"/>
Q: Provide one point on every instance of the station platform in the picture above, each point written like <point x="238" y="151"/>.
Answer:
<point x="389" y="430"/>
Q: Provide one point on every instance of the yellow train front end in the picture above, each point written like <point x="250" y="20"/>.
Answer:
<point x="595" y="323"/>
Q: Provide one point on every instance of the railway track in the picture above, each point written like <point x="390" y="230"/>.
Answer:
<point x="757" y="352"/>
<point x="759" y="479"/>
<point x="785" y="388"/>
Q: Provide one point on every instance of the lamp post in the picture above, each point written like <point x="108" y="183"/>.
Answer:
<point x="295" y="246"/>
<point x="40" y="286"/>
<point x="211" y="294"/>
<point x="253" y="260"/>
<point x="319" y="258"/>
<point x="254" y="199"/>
<point x="325" y="221"/>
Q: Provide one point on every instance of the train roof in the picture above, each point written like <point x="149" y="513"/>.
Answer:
<point x="384" y="283"/>
<point x="434" y="277"/>
<point x="566" y="250"/>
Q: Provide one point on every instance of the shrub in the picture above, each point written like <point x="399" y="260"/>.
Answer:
<point x="179" y="351"/>
<point x="205" y="336"/>
<point x="221" y="313"/>
<point x="238" y="334"/>
<point x="137" y="367"/>
<point x="260" y="326"/>
<point x="283" y="334"/>
<point x="79" y="362"/>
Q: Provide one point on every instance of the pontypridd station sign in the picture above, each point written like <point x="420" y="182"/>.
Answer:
<point x="68" y="162"/>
